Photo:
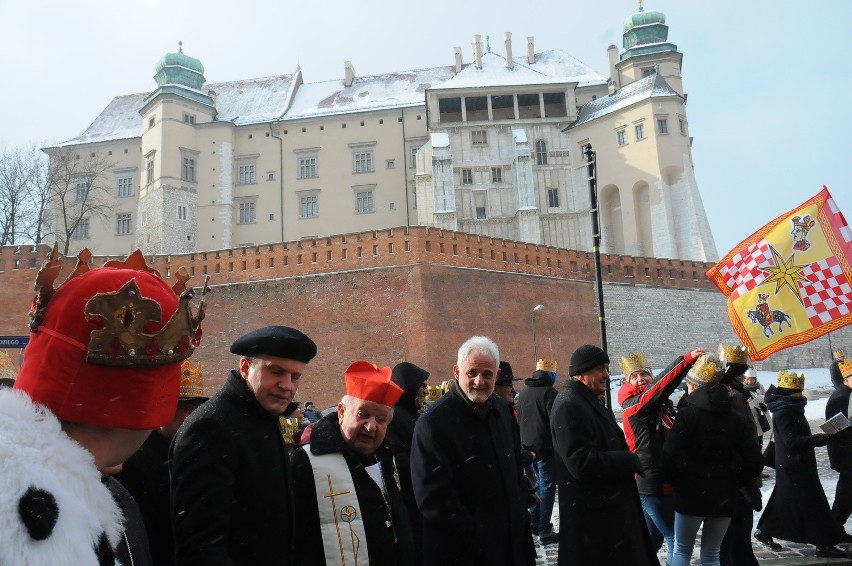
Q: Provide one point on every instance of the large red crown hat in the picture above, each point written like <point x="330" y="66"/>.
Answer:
<point x="106" y="346"/>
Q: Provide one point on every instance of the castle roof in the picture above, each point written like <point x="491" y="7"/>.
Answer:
<point x="648" y="87"/>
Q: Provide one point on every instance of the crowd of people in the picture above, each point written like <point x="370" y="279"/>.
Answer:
<point x="112" y="453"/>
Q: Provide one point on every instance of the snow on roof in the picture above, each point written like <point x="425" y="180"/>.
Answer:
<point x="253" y="100"/>
<point x="647" y="87"/>
<point x="390" y="90"/>
<point x="119" y="120"/>
<point x="557" y="62"/>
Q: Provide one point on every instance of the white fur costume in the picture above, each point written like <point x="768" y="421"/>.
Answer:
<point x="35" y="454"/>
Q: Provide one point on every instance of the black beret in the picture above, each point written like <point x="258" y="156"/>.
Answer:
<point x="278" y="341"/>
<point x="585" y="358"/>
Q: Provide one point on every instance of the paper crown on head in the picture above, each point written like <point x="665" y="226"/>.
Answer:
<point x="634" y="361"/>
<point x="791" y="380"/>
<point x="546" y="364"/>
<point x="191" y="380"/>
<point x="706" y="369"/>
<point x="845" y="368"/>
<point x="367" y="381"/>
<point x="838" y="354"/>
<point x="106" y="345"/>
<point x="733" y="354"/>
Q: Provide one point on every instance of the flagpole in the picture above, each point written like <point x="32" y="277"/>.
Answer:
<point x="591" y="170"/>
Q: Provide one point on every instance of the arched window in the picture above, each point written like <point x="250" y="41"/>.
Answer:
<point x="541" y="152"/>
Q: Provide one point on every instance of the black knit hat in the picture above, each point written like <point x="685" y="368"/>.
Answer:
<point x="585" y="358"/>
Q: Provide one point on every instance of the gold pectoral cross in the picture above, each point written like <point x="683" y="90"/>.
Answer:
<point x="349" y="515"/>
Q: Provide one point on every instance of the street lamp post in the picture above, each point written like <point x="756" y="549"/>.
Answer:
<point x="535" y="346"/>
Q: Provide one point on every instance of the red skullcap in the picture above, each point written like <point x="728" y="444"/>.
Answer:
<point x="365" y="380"/>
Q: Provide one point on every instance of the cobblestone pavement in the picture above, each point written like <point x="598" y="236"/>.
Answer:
<point x="791" y="554"/>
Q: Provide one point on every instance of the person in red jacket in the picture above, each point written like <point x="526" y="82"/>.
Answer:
<point x="647" y="416"/>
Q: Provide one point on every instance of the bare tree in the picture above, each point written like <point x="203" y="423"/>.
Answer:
<point x="14" y="184"/>
<point x="78" y="192"/>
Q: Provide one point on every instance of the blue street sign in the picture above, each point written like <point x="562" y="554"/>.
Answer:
<point x="14" y="341"/>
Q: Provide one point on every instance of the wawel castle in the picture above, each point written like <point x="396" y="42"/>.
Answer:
<point x="490" y="143"/>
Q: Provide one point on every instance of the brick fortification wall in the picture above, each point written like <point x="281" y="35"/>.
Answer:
<point x="416" y="294"/>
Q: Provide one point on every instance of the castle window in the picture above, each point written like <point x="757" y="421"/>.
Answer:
<point x="480" y="204"/>
<point x="682" y="125"/>
<point x="467" y="176"/>
<point x="414" y="150"/>
<point x="364" y="202"/>
<point x="648" y="72"/>
<point x="541" y="152"/>
<point x="81" y="189"/>
<point x="247" y="213"/>
<point x="640" y="131"/>
<point x="309" y="205"/>
<point x="390" y="164"/>
<point x="125" y="185"/>
<point x="123" y="224"/>
<point x="479" y="137"/>
<point x="149" y="168"/>
<point x="181" y="212"/>
<point x="81" y="230"/>
<point x="362" y="162"/>
<point x="621" y="137"/>
<point x="662" y="126"/>
<point x="307" y="167"/>
<point x="188" y="118"/>
<point x="246" y="174"/>
<point x="496" y="174"/>
<point x="188" y="171"/>
<point x="553" y="198"/>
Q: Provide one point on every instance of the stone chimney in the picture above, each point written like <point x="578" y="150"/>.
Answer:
<point x="477" y="51"/>
<point x="458" y="59"/>
<point x="510" y="62"/>
<point x="530" y="50"/>
<point x="612" y="54"/>
<point x="349" y="71"/>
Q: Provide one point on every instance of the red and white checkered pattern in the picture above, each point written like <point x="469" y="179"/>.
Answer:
<point x="742" y="272"/>
<point x="827" y="293"/>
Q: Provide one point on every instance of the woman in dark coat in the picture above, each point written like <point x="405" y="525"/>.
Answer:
<point x="797" y="509"/>
<point x="710" y="453"/>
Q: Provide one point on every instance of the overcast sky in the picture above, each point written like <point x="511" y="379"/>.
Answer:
<point x="766" y="80"/>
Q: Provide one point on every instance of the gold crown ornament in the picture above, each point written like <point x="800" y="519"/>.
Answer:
<point x="191" y="381"/>
<point x="845" y="368"/>
<point x="734" y="354"/>
<point x="706" y="369"/>
<point x="839" y="354"/>
<point x="791" y="380"/>
<point x="123" y="341"/>
<point x="634" y="361"/>
<point x="545" y="364"/>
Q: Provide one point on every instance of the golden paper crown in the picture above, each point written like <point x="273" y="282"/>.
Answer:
<point x="436" y="391"/>
<point x="845" y="368"/>
<point x="733" y="354"/>
<point x="289" y="425"/>
<point x="191" y="382"/>
<point x="634" y="362"/>
<point x="706" y="369"/>
<point x="545" y="364"/>
<point x="122" y="341"/>
<point x="839" y="354"/>
<point x="791" y="380"/>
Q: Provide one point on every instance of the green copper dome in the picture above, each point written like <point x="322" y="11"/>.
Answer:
<point x="645" y="28"/>
<point x="179" y="69"/>
<point x="643" y="18"/>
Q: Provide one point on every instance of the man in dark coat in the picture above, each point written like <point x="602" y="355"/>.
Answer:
<point x="466" y="470"/>
<point x="599" y="509"/>
<point x="146" y="473"/>
<point x="834" y="369"/>
<point x="347" y="454"/>
<point x="230" y="479"/>
<point x="412" y="380"/>
<point x="840" y="448"/>
<point x="534" y="405"/>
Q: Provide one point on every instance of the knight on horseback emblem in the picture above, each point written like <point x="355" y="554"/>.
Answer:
<point x="762" y="308"/>
<point x="801" y="227"/>
<point x="765" y="316"/>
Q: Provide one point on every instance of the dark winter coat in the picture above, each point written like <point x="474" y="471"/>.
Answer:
<point x="146" y="476"/>
<point x="601" y="520"/>
<point x="231" y="487"/>
<point x="327" y="439"/>
<point x="642" y="417"/>
<point x="534" y="404"/>
<point x="840" y="444"/>
<point x="466" y="470"/>
<point x="835" y="374"/>
<point x="399" y="436"/>
<point x="134" y="548"/>
<point x="710" y="454"/>
<point x="797" y="509"/>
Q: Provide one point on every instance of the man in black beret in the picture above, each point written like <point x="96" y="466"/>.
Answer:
<point x="231" y="488"/>
<point x="599" y="509"/>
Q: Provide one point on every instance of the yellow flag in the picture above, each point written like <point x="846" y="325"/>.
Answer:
<point x="789" y="282"/>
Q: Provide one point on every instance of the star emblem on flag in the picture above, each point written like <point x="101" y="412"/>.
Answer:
<point x="784" y="273"/>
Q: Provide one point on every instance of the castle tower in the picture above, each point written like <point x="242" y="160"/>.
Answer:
<point x="167" y="208"/>
<point x="648" y="51"/>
